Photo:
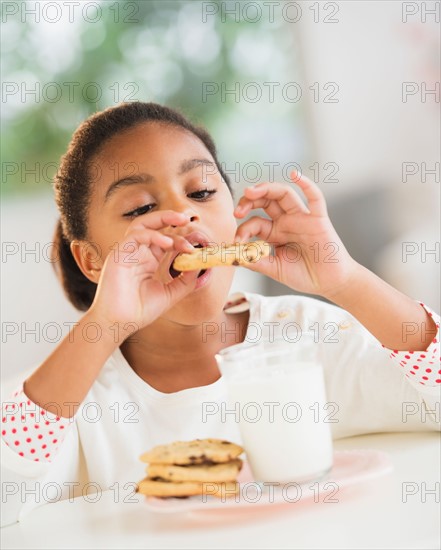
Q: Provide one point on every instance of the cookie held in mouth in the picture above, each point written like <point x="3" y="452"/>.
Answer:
<point x="188" y="468"/>
<point x="238" y="254"/>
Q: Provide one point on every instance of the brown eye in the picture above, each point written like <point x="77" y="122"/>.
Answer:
<point x="139" y="211"/>
<point x="203" y="194"/>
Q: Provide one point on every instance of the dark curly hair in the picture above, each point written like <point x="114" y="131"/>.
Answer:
<point x="73" y="182"/>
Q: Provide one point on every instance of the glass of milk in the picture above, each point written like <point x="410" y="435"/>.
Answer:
<point x="284" y="420"/>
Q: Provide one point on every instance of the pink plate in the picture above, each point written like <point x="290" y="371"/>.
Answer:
<point x="349" y="468"/>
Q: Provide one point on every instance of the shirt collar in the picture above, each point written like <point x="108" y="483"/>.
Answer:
<point x="237" y="303"/>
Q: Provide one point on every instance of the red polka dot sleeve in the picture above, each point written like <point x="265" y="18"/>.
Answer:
<point x="29" y="430"/>
<point x="422" y="367"/>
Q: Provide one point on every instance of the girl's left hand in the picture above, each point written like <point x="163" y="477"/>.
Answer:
<point x="309" y="255"/>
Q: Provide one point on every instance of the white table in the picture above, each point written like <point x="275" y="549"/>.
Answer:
<point x="374" y="515"/>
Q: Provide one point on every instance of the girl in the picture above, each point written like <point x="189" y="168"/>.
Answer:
<point x="138" y="185"/>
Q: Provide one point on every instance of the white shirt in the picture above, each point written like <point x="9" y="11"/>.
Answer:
<point x="122" y="416"/>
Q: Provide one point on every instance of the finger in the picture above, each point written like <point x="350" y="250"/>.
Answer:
<point x="181" y="286"/>
<point x="314" y="196"/>
<point x="159" y="220"/>
<point x="157" y="252"/>
<point x="148" y="237"/>
<point x="244" y="206"/>
<point x="138" y="244"/>
<point x="181" y="244"/>
<point x="288" y="200"/>
<point x="165" y="242"/>
<point x="254" y="227"/>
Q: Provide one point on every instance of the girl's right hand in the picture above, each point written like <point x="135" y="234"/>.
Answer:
<point x="129" y="291"/>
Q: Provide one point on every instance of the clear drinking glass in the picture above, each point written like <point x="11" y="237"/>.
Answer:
<point x="284" y="417"/>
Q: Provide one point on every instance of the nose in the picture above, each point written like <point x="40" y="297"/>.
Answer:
<point x="180" y="204"/>
<point x="192" y="219"/>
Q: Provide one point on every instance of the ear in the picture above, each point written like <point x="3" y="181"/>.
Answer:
<point x="88" y="258"/>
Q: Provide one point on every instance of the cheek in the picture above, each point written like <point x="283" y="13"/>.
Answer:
<point x="227" y="219"/>
<point x="105" y="228"/>
<point x="104" y="236"/>
<point x="226" y="227"/>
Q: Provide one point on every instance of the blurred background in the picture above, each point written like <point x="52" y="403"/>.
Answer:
<point x="346" y="91"/>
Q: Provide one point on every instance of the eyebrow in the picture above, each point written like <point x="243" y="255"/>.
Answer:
<point x="185" y="166"/>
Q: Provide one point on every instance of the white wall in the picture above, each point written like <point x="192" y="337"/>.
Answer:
<point x="371" y="132"/>
<point x="31" y="295"/>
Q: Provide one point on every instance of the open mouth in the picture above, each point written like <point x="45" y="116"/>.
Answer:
<point x="175" y="273"/>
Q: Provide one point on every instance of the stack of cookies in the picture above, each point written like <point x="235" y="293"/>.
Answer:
<point x="187" y="468"/>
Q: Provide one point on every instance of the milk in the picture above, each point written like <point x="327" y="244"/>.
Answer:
<point x="284" y="420"/>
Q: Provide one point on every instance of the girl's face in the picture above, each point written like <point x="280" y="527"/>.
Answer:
<point x="158" y="167"/>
